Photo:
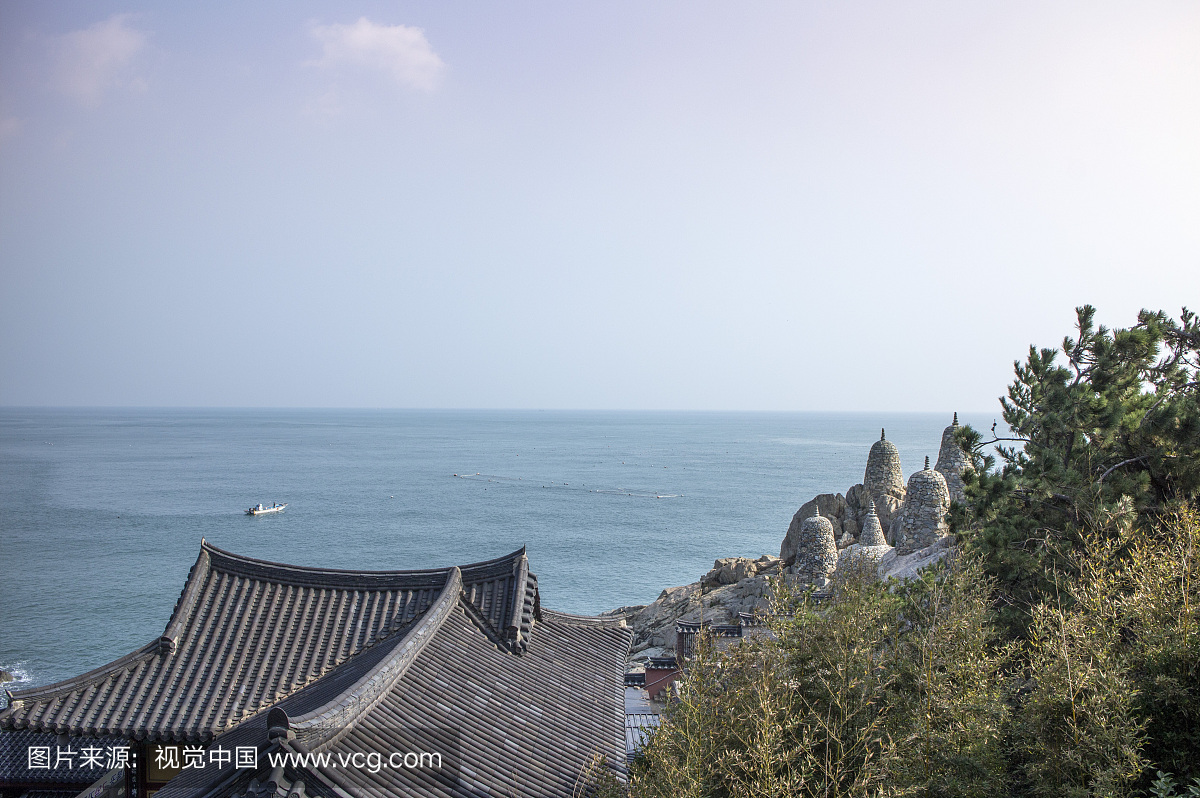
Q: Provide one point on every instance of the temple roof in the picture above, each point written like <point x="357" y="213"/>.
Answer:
<point x="246" y="634"/>
<point x="528" y="725"/>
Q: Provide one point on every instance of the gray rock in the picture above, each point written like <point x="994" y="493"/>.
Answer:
<point x="731" y="570"/>
<point x="888" y="508"/>
<point x="624" y="612"/>
<point x="654" y="624"/>
<point x="859" y="500"/>
<point x="642" y="655"/>
<point x="857" y="503"/>
<point x="5" y="676"/>
<point x="894" y="565"/>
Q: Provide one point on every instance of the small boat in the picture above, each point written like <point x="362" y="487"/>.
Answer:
<point x="262" y="509"/>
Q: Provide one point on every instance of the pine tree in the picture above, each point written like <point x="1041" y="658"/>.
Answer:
<point x="1120" y="420"/>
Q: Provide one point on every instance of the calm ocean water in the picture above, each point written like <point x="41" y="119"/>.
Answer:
<point x="102" y="511"/>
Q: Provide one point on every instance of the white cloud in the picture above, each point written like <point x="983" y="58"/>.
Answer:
<point x="398" y="50"/>
<point x="93" y="60"/>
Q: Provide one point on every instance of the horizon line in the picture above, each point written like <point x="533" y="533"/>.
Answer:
<point x="350" y="408"/>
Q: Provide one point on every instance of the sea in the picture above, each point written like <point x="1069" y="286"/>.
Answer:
<point x="102" y="510"/>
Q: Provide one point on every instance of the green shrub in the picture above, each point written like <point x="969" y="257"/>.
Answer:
<point x="882" y="689"/>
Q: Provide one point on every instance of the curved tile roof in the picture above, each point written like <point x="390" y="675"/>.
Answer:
<point x="247" y="633"/>
<point x="521" y="725"/>
<point x="525" y="726"/>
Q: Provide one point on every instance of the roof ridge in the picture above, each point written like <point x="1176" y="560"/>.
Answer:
<point x="517" y="612"/>
<point x="503" y="558"/>
<point x="327" y="723"/>
<point x="583" y="620"/>
<point x="230" y="558"/>
<point x="504" y="598"/>
<point x="476" y="616"/>
<point x="187" y="600"/>
<point x="227" y="561"/>
<point x="486" y="569"/>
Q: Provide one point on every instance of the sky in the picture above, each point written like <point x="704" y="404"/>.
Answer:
<point x="793" y="206"/>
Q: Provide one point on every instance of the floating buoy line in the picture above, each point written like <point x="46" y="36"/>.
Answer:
<point x="521" y="482"/>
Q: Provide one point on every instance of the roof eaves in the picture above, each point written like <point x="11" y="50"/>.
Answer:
<point x="50" y="691"/>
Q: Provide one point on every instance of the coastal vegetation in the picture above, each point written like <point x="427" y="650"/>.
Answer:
<point x="1055" y="653"/>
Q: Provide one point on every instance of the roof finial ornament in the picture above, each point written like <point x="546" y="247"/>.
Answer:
<point x="926" y="462"/>
<point x="955" y="424"/>
<point x="882" y="433"/>
<point x="279" y="725"/>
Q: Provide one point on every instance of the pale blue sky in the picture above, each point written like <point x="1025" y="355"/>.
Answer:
<point x="766" y="206"/>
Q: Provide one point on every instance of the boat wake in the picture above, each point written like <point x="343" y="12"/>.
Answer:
<point x="521" y="482"/>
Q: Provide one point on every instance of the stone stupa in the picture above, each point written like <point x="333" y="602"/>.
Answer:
<point x="871" y="547"/>
<point x="952" y="462"/>
<point x="872" y="530"/>
<point x="816" y="551"/>
<point x="923" y="520"/>
<point x="883" y="481"/>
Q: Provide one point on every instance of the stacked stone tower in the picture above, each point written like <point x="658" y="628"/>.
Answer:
<point x="883" y="481"/>
<point x="816" y="552"/>
<point x="923" y="520"/>
<point x="872" y="530"/>
<point x="952" y="462"/>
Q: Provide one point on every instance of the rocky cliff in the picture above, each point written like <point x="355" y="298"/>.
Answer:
<point x="824" y="534"/>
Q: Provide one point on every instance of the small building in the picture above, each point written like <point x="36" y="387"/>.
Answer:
<point x="274" y="679"/>
<point x="723" y="635"/>
<point x="661" y="673"/>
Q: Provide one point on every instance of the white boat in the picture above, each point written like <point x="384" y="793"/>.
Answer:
<point x="262" y="509"/>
